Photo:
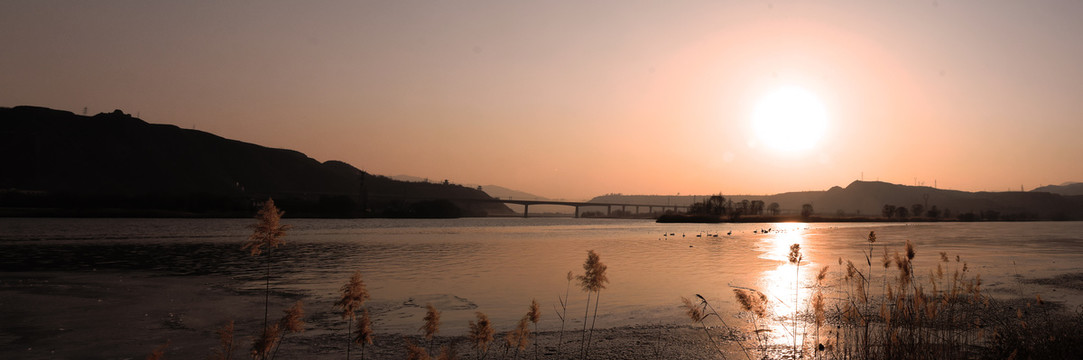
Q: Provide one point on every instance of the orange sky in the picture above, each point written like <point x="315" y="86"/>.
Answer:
<point x="576" y="99"/>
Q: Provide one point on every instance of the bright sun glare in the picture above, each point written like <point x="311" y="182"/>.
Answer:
<point x="790" y="119"/>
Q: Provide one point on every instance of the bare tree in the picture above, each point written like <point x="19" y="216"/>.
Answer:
<point x="888" y="211"/>
<point x="773" y="209"/>
<point x="901" y="212"/>
<point x="916" y="210"/>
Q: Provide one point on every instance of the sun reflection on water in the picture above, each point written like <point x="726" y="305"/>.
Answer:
<point x="787" y="284"/>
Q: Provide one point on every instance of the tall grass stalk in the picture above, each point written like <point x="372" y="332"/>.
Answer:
<point x="225" y="343"/>
<point x="158" y="353"/>
<point x="534" y="315"/>
<point x="795" y="259"/>
<point x="432" y="324"/>
<point x="696" y="314"/>
<point x="353" y="298"/>
<point x="290" y="323"/>
<point x="704" y="314"/>
<point x="266" y="232"/>
<point x="756" y="305"/>
<point x="414" y="352"/>
<point x="364" y="331"/>
<point x="481" y="334"/>
<point x="593" y="280"/>
<point x="563" y="313"/>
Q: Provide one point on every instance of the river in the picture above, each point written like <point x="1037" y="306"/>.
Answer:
<point x="497" y="265"/>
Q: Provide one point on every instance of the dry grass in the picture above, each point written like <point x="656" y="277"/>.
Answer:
<point x="931" y="316"/>
<point x="593" y="280"/>
<point x="432" y="323"/>
<point x="415" y="352"/>
<point x="563" y="313"/>
<point x="158" y="353"/>
<point x="363" y="331"/>
<point x="353" y="298"/>
<point x="481" y="334"/>
<point x="225" y="343"/>
<point x="534" y="316"/>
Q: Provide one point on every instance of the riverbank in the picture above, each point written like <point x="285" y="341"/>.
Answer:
<point x="112" y="315"/>
<point x="115" y="315"/>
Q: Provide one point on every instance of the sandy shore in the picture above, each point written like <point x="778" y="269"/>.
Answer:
<point x="111" y="315"/>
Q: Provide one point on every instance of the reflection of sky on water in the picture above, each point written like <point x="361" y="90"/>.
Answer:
<point x="499" y="265"/>
<point x="785" y="279"/>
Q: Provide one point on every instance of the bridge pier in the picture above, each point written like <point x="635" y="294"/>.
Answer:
<point x="637" y="210"/>
<point x="609" y="210"/>
<point x="526" y="210"/>
<point x="577" y="211"/>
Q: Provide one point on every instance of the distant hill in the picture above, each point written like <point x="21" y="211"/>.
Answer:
<point x="1067" y="189"/>
<point x="869" y="197"/>
<point x="501" y="192"/>
<point x="56" y="159"/>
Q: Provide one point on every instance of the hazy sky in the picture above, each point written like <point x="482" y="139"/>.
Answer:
<point x="571" y="99"/>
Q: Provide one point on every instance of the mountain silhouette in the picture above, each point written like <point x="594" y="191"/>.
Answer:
<point x="1067" y="189"/>
<point x="867" y="198"/>
<point x="56" y="159"/>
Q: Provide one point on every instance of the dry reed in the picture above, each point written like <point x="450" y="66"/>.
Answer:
<point x="353" y="298"/>
<point x="795" y="259"/>
<point x="534" y="315"/>
<point x="447" y="353"/>
<point x="481" y="334"/>
<point x="266" y="232"/>
<point x="414" y="352"/>
<point x="364" y="331"/>
<point x="699" y="313"/>
<point x="265" y="342"/>
<point x="291" y="322"/>
<point x="563" y="313"/>
<point x="225" y="343"/>
<point x="158" y="353"/>
<point x="593" y="280"/>
<point x="432" y="324"/>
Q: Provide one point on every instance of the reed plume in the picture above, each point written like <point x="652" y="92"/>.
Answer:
<point x="534" y="315"/>
<point x="364" y="331"/>
<point x="593" y="280"/>
<point x="353" y="298"/>
<point x="225" y="343"/>
<point x="696" y="314"/>
<point x="414" y="352"/>
<point x="263" y="344"/>
<point x="795" y="259"/>
<point x="518" y="338"/>
<point x="448" y="353"/>
<point x="266" y="232"/>
<point x="293" y="320"/>
<point x="699" y="313"/>
<point x="158" y="352"/>
<point x="755" y="303"/>
<point x="432" y="324"/>
<point x="290" y="323"/>
<point x="481" y="334"/>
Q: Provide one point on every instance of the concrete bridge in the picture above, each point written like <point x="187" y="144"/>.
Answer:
<point x="578" y="204"/>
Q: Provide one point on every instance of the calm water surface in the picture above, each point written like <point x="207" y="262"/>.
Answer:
<point x="497" y="265"/>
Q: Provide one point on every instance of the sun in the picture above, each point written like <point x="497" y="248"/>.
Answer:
<point x="790" y="119"/>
